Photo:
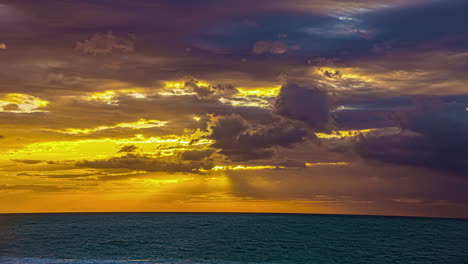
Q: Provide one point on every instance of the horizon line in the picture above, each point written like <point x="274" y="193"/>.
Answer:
<point x="205" y="212"/>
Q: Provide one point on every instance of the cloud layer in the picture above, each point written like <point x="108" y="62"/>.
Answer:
<point x="299" y="106"/>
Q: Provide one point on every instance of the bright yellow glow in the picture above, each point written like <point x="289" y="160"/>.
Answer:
<point x="179" y="88"/>
<point x="343" y="73"/>
<point x="271" y="167"/>
<point x="260" y="92"/>
<point x="344" y="133"/>
<point x="82" y="189"/>
<point x="241" y="167"/>
<point x="181" y="84"/>
<point x="327" y="164"/>
<point x="249" y="97"/>
<point x="261" y="102"/>
<point x="253" y="97"/>
<point x="44" y="176"/>
<point x="104" y="148"/>
<point x="142" y="123"/>
<point x="175" y="85"/>
<point x="110" y="96"/>
<point x="21" y="103"/>
<point x="154" y="192"/>
<point x="151" y="182"/>
<point x="176" y="92"/>
<point x="106" y="96"/>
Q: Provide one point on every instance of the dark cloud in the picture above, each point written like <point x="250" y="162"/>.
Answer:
<point x="128" y="148"/>
<point x="11" y="107"/>
<point x="363" y="181"/>
<point x="438" y="138"/>
<point x="292" y="163"/>
<point x="211" y="91"/>
<point x="241" y="140"/>
<point x="310" y="105"/>
<point x="146" y="163"/>
<point x="444" y="18"/>
<point x="28" y="161"/>
<point x="362" y="119"/>
<point x="196" y="154"/>
<point x="362" y="113"/>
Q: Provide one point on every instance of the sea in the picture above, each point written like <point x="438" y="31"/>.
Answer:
<point x="229" y="238"/>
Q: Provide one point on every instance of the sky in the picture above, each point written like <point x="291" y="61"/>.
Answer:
<point x="327" y="106"/>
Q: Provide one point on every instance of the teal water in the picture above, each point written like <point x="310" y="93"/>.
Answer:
<point x="229" y="238"/>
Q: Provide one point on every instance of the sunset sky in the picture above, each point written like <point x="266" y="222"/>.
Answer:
<point x="298" y="106"/>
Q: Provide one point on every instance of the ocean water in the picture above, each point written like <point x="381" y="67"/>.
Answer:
<point x="145" y="238"/>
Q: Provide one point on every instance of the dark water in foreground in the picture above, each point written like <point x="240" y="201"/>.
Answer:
<point x="229" y="238"/>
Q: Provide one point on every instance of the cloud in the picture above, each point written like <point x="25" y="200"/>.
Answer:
<point x="292" y="164"/>
<point x="205" y="91"/>
<point x="196" y="154"/>
<point x="11" y="107"/>
<point x="241" y="140"/>
<point x="21" y="103"/>
<point x="358" y="181"/>
<point x="101" y="44"/>
<point x="128" y="148"/>
<point x="28" y="161"/>
<point x="436" y="137"/>
<point x="146" y="163"/>
<point x="272" y="47"/>
<point x="310" y="105"/>
<point x="368" y="77"/>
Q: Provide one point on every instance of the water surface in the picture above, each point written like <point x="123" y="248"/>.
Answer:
<point x="145" y="238"/>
